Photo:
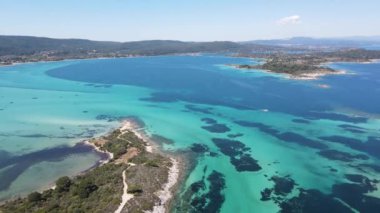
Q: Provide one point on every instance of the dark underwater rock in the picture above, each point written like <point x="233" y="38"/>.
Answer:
<point x="217" y="128"/>
<point x="214" y="127"/>
<point x="202" y="200"/>
<point x="199" y="148"/>
<point x="283" y="185"/>
<point x="239" y="154"/>
<point x="290" y="137"/>
<point x="342" y="156"/>
<point x="266" y="194"/>
<point x="371" y="146"/>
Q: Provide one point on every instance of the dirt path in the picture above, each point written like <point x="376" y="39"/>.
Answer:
<point x="125" y="197"/>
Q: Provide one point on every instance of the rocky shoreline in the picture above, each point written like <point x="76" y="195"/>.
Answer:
<point x="175" y="173"/>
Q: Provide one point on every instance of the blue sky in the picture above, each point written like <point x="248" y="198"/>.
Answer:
<point x="189" y="20"/>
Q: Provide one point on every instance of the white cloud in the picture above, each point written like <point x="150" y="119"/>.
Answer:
<point x="295" y="19"/>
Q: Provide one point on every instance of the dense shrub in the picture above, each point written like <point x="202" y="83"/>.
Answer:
<point x="63" y="184"/>
<point x="34" y="197"/>
<point x="85" y="188"/>
<point x="135" y="189"/>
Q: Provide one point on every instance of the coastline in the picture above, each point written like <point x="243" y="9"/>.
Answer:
<point x="63" y="60"/>
<point x="67" y="59"/>
<point x="97" y="58"/>
<point x="170" y="167"/>
<point x="369" y="61"/>
<point x="110" y="155"/>
<point x="52" y="185"/>
<point x="315" y="75"/>
<point x="176" y="171"/>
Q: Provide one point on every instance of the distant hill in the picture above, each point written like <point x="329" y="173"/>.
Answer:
<point x="307" y="42"/>
<point x="20" y="49"/>
<point x="159" y="47"/>
<point x="27" y="45"/>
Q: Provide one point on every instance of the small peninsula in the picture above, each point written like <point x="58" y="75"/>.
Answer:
<point x="136" y="178"/>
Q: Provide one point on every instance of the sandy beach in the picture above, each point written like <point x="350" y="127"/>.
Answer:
<point x="314" y="76"/>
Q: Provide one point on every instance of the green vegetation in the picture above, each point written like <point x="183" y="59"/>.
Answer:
<point x="34" y="197"/>
<point x="352" y="55"/>
<point x="135" y="189"/>
<point x="63" y="184"/>
<point x="84" y="188"/>
<point x="30" y="49"/>
<point x="291" y="67"/>
<point x="153" y="163"/>
<point x="100" y="189"/>
<point x="118" y="143"/>
<point x="307" y="61"/>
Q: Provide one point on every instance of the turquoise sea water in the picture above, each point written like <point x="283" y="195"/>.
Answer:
<point x="262" y="143"/>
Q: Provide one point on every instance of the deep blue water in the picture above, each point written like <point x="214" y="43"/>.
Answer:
<point x="181" y="80"/>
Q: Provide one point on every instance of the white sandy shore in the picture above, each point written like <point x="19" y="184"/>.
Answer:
<point x="316" y="75"/>
<point x="166" y="193"/>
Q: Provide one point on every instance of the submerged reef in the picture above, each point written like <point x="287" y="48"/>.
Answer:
<point x="205" y="195"/>
<point x="238" y="153"/>
<point x="214" y="127"/>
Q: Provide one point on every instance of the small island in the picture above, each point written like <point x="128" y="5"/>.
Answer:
<point x="293" y="69"/>
<point x="308" y="66"/>
<point x="135" y="179"/>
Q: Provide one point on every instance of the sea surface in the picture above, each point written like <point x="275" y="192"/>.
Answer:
<point x="260" y="142"/>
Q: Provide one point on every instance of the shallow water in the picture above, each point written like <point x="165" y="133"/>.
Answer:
<point x="252" y="126"/>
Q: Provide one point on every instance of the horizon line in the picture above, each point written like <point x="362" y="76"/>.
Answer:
<point x="160" y="39"/>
